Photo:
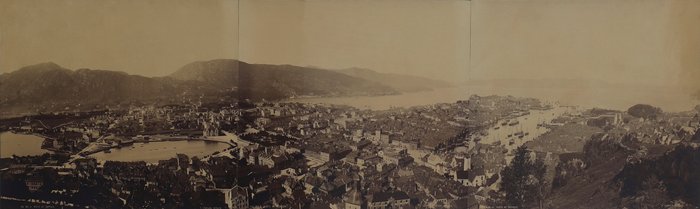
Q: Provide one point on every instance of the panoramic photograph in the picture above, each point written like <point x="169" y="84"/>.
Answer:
<point x="350" y="104"/>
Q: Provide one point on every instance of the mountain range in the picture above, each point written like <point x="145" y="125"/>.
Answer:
<point x="50" y="87"/>
<point x="262" y="81"/>
<point x="402" y="83"/>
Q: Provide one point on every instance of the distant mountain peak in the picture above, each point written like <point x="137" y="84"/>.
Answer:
<point x="359" y="69"/>
<point x="217" y="72"/>
<point x="46" y="65"/>
<point x="210" y="63"/>
<point x="50" y="87"/>
<point x="42" y="67"/>
<point x="276" y="81"/>
<point x="404" y="83"/>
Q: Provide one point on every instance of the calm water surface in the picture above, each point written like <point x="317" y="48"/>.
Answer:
<point x="444" y="95"/>
<point x="154" y="151"/>
<point x="20" y="145"/>
<point x="669" y="99"/>
<point x="526" y="124"/>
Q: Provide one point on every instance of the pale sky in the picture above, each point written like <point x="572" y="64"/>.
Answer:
<point x="638" y="42"/>
<point x="616" y="41"/>
<point x="417" y="37"/>
<point x="145" y="37"/>
<point x="686" y="35"/>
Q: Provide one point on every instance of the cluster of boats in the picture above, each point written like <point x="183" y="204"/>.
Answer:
<point x="513" y="122"/>
<point x="519" y="135"/>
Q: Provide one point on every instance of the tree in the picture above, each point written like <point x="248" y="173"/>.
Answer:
<point x="697" y="108"/>
<point x="523" y="180"/>
<point x="644" y="111"/>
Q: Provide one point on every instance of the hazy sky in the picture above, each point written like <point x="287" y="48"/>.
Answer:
<point x="686" y="34"/>
<point x="147" y="37"/>
<point x="401" y="36"/>
<point x="618" y="41"/>
<point x="638" y="42"/>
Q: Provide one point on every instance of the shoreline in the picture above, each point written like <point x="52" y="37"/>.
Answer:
<point x="141" y="141"/>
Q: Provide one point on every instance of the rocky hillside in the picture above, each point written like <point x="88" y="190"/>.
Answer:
<point x="656" y="182"/>
<point x="220" y="73"/>
<point x="49" y="86"/>
<point x="615" y="171"/>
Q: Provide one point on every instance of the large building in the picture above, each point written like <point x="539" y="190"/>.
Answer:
<point x="236" y="197"/>
<point x="211" y="129"/>
<point x="34" y="183"/>
<point x="385" y="200"/>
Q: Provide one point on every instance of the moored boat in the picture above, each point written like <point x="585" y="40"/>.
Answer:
<point x="513" y="123"/>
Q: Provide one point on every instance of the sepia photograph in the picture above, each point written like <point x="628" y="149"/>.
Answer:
<point x="350" y="104"/>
